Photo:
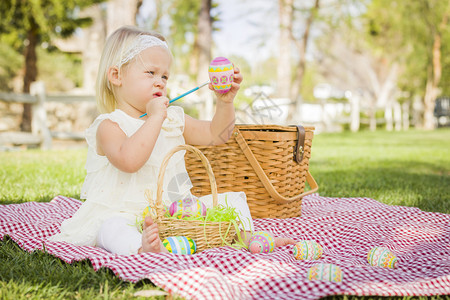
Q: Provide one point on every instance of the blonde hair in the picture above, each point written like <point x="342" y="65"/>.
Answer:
<point x="114" y="51"/>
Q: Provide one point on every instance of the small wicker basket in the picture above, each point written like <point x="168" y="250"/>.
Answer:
<point x="206" y="234"/>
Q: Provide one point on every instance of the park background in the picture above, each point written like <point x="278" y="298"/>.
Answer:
<point x="369" y="69"/>
<point x="335" y="64"/>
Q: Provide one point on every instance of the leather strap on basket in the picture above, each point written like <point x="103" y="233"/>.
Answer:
<point x="263" y="177"/>
<point x="299" y="149"/>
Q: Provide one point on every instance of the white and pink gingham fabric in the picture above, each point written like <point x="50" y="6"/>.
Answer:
<point x="347" y="228"/>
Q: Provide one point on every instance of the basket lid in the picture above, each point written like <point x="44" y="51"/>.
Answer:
<point x="272" y="127"/>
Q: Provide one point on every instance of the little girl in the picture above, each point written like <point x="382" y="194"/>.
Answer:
<point x="125" y="151"/>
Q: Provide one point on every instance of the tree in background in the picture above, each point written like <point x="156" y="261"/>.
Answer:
<point x="301" y="39"/>
<point x="27" y="24"/>
<point x="121" y="12"/>
<point x="285" y="14"/>
<point x="345" y="59"/>
<point x="416" y="30"/>
<point x="191" y="33"/>
<point x="10" y="63"/>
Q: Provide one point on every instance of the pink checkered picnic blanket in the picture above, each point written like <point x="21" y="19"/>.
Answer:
<point x="347" y="228"/>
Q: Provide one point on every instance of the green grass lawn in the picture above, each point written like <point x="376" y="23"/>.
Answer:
<point x="399" y="168"/>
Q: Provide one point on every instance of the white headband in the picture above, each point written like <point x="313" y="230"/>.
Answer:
<point x="139" y="44"/>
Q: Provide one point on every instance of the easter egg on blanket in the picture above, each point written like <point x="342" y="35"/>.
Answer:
<point x="382" y="257"/>
<point x="325" y="272"/>
<point x="261" y="242"/>
<point x="187" y="207"/>
<point x="221" y="74"/>
<point x="307" y="250"/>
<point x="180" y="245"/>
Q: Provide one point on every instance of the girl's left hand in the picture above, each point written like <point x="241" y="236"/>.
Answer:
<point x="229" y="96"/>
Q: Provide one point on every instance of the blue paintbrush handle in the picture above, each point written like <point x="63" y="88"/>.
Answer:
<point x="181" y="96"/>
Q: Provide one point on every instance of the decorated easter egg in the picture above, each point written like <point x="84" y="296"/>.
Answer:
<point x="221" y="74"/>
<point x="307" y="250"/>
<point x="325" y="272"/>
<point x="180" y="245"/>
<point x="148" y="211"/>
<point x="187" y="207"/>
<point x="382" y="257"/>
<point x="261" y="242"/>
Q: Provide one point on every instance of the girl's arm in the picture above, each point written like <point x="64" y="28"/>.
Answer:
<point x="219" y="130"/>
<point x="129" y="154"/>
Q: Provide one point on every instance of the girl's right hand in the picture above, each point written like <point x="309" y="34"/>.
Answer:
<point x="157" y="107"/>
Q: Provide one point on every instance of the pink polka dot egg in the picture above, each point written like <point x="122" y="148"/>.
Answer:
<point x="307" y="250"/>
<point x="187" y="207"/>
<point x="325" y="272"/>
<point x="221" y="74"/>
<point x="261" y="242"/>
<point x="382" y="257"/>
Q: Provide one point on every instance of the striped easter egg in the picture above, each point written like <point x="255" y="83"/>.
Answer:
<point x="180" y="245"/>
<point x="221" y="74"/>
<point x="261" y="242"/>
<point x="148" y="211"/>
<point x="325" y="272"/>
<point x="188" y="207"/>
<point x="307" y="250"/>
<point x="382" y="257"/>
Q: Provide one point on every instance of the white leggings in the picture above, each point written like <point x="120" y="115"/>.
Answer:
<point x="120" y="236"/>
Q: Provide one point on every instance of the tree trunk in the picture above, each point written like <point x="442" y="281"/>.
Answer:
<point x="93" y="45"/>
<point x="372" y="116"/>
<point x="204" y="41"/>
<point x="397" y="116"/>
<point x="30" y="73"/>
<point x="405" y="116"/>
<point x="355" y="111"/>
<point x="429" y="102"/>
<point x="385" y="91"/>
<point x="286" y="9"/>
<point x="120" y="13"/>
<point x="159" y="14"/>
<point x="302" y="47"/>
<point x="434" y="77"/>
<point x="388" y="117"/>
<point x="386" y="94"/>
<point x="300" y="70"/>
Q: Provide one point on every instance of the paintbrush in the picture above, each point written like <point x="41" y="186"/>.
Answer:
<point x="181" y="96"/>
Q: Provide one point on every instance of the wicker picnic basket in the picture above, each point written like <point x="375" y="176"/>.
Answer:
<point x="268" y="162"/>
<point x="206" y="234"/>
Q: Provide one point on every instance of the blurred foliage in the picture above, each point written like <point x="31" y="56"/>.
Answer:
<point x="445" y="59"/>
<point x="60" y="71"/>
<point x="68" y="74"/>
<point x="184" y="15"/>
<point x="25" y="25"/>
<point x="246" y="70"/>
<point x="10" y="64"/>
<point x="52" y="17"/>
<point x="265" y="72"/>
<point x="309" y="81"/>
<point x="397" y="30"/>
<point x="405" y="31"/>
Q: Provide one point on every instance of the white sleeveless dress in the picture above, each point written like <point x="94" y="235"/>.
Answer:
<point x="110" y="192"/>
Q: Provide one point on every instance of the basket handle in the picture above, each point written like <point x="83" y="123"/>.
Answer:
<point x="263" y="177"/>
<point x="162" y="171"/>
